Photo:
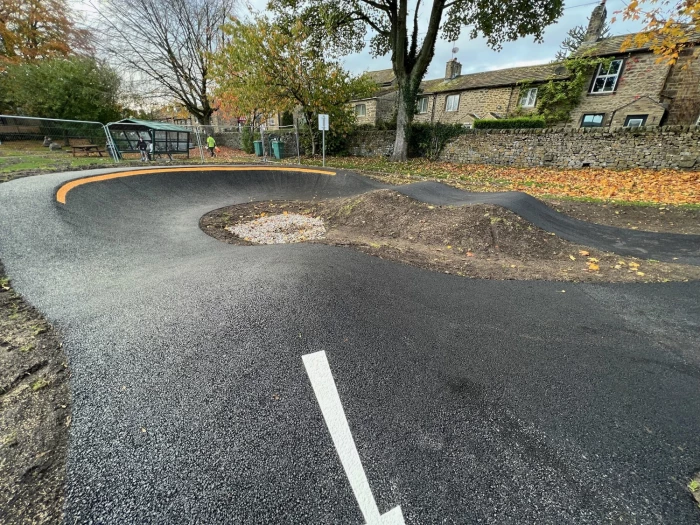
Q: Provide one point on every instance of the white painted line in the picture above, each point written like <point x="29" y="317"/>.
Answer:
<point x="319" y="372"/>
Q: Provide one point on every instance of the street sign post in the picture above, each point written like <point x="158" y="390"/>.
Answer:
<point x="323" y="127"/>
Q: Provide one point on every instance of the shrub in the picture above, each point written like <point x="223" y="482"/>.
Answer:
<point x="428" y="140"/>
<point x="247" y="140"/>
<point x="509" y="123"/>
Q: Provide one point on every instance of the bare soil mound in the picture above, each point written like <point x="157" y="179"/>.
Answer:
<point x="483" y="241"/>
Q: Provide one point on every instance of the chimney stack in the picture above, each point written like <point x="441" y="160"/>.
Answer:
<point x="453" y="69"/>
<point x="596" y="23"/>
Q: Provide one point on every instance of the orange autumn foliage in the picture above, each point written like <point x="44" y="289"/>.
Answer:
<point x="665" y="186"/>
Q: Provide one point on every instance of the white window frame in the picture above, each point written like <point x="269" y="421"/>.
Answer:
<point x="605" y="76"/>
<point x="422" y="106"/>
<point x="529" y="98"/>
<point x="635" y="121"/>
<point x="467" y="125"/>
<point x="449" y="105"/>
<point x="583" y="118"/>
<point x="360" y="113"/>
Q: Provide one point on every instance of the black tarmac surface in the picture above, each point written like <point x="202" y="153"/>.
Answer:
<point x="470" y="401"/>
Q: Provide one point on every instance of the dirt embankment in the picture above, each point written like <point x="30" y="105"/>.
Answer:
<point x="483" y="241"/>
<point x="34" y="414"/>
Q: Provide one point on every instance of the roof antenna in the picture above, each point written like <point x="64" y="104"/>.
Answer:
<point x="455" y="49"/>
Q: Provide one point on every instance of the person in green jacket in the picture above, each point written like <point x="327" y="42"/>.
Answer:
<point x="211" y="144"/>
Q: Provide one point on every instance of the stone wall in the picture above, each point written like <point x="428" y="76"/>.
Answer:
<point x="682" y="89"/>
<point x="371" y="143"/>
<point x="618" y="148"/>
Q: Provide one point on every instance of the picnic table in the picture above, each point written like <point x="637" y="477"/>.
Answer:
<point x="88" y="149"/>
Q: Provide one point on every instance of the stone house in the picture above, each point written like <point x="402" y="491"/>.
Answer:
<point x="380" y="106"/>
<point x="460" y="99"/>
<point x="634" y="89"/>
<point x="630" y="91"/>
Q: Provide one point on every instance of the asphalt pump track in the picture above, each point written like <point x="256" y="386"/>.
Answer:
<point x="469" y="401"/>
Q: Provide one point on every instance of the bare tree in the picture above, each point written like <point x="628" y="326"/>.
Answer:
<point x="166" y="46"/>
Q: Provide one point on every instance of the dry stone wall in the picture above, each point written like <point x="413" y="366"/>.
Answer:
<point x="365" y="143"/>
<point x="617" y="148"/>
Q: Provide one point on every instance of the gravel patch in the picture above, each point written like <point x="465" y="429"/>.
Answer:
<point x="280" y="229"/>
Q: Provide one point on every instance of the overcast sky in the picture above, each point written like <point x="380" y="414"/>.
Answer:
<point x="476" y="56"/>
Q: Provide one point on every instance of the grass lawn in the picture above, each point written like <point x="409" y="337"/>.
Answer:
<point x="634" y="186"/>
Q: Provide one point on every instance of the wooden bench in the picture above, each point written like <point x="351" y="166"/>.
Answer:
<point x="85" y="146"/>
<point x="87" y="149"/>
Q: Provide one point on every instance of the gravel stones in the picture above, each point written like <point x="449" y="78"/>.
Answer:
<point x="280" y="229"/>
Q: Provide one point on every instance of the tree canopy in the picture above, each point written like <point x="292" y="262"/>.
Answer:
<point x="39" y="29"/>
<point x="667" y="24"/>
<point x="165" y="46"/>
<point x="74" y="88"/>
<point x="409" y="32"/>
<point x="266" y="67"/>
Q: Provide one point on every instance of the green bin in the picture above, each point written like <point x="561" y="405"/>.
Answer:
<point x="257" y="144"/>
<point x="278" y="149"/>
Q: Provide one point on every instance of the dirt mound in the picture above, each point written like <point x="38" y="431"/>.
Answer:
<point x="484" y="228"/>
<point x="482" y="240"/>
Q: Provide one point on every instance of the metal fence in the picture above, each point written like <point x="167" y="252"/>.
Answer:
<point x="36" y="143"/>
<point x="28" y="143"/>
<point x="274" y="143"/>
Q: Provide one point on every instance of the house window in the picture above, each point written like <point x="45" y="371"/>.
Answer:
<point x="635" y="121"/>
<point x="529" y="98"/>
<point x="606" y="77"/>
<point x="467" y="125"/>
<point x="592" y="120"/>
<point x="360" y="110"/>
<point x="422" y="105"/>
<point x="452" y="103"/>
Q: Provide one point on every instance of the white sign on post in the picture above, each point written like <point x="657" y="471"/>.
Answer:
<point x="323" y="122"/>
<point x="323" y="127"/>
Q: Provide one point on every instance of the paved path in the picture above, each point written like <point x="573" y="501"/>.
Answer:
<point x="469" y="401"/>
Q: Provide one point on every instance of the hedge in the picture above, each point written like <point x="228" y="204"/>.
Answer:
<point x="509" y="123"/>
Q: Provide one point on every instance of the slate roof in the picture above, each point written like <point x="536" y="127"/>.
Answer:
<point x="496" y="78"/>
<point x="382" y="76"/>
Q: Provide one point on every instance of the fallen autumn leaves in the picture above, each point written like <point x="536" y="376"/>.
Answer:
<point x="634" y="185"/>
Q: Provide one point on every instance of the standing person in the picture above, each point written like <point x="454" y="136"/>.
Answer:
<point x="141" y="146"/>
<point x="150" y="151"/>
<point x="211" y="144"/>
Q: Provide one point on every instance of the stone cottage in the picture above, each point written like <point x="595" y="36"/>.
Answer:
<point x="380" y="106"/>
<point x="633" y="89"/>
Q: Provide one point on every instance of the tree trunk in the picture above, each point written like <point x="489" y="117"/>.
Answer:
<point x="313" y="141"/>
<point x="404" y="117"/>
<point x="309" y="122"/>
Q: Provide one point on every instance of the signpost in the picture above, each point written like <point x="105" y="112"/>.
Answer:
<point x="323" y="127"/>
